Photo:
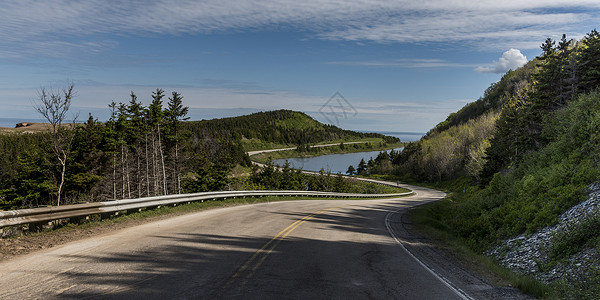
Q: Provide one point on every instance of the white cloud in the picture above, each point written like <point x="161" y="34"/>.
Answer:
<point x="510" y="60"/>
<point x="32" y="27"/>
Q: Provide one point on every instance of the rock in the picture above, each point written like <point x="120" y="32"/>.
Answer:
<point x="23" y="124"/>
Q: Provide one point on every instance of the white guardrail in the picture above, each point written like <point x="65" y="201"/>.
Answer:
<point x="36" y="216"/>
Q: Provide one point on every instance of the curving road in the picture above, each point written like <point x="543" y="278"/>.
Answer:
<point x="310" y="249"/>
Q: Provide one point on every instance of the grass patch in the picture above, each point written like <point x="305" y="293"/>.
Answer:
<point x="575" y="237"/>
<point x="364" y="187"/>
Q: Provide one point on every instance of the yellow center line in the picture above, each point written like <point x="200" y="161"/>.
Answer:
<point x="271" y="244"/>
<point x="297" y="224"/>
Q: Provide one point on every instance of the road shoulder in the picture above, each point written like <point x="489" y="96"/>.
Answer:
<point x="446" y="264"/>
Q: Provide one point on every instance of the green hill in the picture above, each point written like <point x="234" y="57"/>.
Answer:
<point x="279" y="128"/>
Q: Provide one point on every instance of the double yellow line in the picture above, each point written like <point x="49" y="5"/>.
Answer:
<point x="256" y="260"/>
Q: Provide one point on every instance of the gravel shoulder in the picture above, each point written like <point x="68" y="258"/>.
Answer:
<point x="476" y="282"/>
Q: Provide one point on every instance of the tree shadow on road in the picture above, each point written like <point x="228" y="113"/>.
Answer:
<point x="355" y="258"/>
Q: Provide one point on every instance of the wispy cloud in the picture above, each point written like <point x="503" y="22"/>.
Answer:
<point x="49" y="27"/>
<point x="233" y="99"/>
<point x="405" y="63"/>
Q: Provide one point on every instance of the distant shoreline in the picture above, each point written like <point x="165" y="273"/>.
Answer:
<point x="12" y="122"/>
<point x="405" y="136"/>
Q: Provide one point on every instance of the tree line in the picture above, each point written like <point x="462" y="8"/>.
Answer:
<point x="142" y="150"/>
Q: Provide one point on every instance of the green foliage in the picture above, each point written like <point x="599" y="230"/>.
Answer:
<point x="509" y="89"/>
<point x="205" y="179"/>
<point x="431" y="218"/>
<point x="564" y="71"/>
<point x="577" y="236"/>
<point x="449" y="154"/>
<point x="546" y="183"/>
<point x="584" y="286"/>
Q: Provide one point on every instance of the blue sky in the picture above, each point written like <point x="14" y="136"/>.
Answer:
<point x="401" y="65"/>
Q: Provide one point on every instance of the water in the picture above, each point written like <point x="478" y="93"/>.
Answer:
<point x="336" y="163"/>
<point x="404" y="136"/>
<point x="11" y="122"/>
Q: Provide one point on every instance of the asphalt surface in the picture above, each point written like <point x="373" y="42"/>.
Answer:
<point x="317" y="249"/>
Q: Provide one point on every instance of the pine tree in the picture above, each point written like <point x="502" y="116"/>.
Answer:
<point x="589" y="66"/>
<point x="351" y="171"/>
<point x="362" y="167"/>
<point x="175" y="114"/>
<point x="156" y="119"/>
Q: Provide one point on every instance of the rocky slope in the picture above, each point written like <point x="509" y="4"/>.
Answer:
<point x="531" y="254"/>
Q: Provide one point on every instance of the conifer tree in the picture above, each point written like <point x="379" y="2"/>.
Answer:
<point x="175" y="114"/>
<point x="590" y="62"/>
<point x="156" y="119"/>
<point x="351" y="170"/>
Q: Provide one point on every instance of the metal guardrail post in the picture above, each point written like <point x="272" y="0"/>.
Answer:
<point x="36" y="226"/>
<point x="106" y="216"/>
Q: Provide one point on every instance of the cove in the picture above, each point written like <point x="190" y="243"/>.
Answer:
<point x="336" y="163"/>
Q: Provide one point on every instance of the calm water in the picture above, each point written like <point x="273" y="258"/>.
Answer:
<point x="332" y="162"/>
<point x="404" y="136"/>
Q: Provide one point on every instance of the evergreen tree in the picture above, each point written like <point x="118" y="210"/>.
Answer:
<point x="589" y="66"/>
<point x="175" y="114"/>
<point x="362" y="167"/>
<point x="156" y="119"/>
<point x="351" y="171"/>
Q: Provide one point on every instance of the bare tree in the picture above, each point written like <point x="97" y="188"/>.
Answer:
<point x="53" y="106"/>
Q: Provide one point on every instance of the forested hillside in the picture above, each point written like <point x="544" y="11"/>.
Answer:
<point x="520" y="156"/>
<point x="146" y="150"/>
<point x="456" y="147"/>
<point x="283" y="127"/>
<point x="538" y="138"/>
<point x="513" y="119"/>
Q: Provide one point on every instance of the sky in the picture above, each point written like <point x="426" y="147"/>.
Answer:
<point x="399" y="65"/>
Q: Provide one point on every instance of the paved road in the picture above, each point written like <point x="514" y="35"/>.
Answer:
<point x="250" y="153"/>
<point x="311" y="249"/>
